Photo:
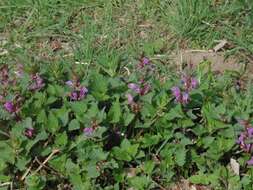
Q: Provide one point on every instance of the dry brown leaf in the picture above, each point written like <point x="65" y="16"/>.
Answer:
<point x="220" y="45"/>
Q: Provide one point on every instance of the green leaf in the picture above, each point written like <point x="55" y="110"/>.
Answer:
<point x="180" y="156"/>
<point x="42" y="117"/>
<point x="98" y="155"/>
<point x="61" y="140"/>
<point x="128" y="118"/>
<point x="199" y="179"/>
<point x="52" y="123"/>
<point x="99" y="86"/>
<point x="58" y="163"/>
<point x="27" y="123"/>
<point x="74" y="125"/>
<point x="150" y="140"/>
<point x="40" y="137"/>
<point x="77" y="182"/>
<point x="92" y="171"/>
<point x="7" y="152"/>
<point x="140" y="182"/>
<point x="79" y="107"/>
<point x="21" y="163"/>
<point x="34" y="182"/>
<point x="149" y="167"/>
<point x="115" y="112"/>
<point x="63" y="115"/>
<point x="174" y="113"/>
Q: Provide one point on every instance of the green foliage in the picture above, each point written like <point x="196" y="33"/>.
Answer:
<point x="146" y="144"/>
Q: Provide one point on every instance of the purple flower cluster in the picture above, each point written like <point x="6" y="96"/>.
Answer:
<point x="79" y="92"/>
<point x="88" y="131"/>
<point x="141" y="89"/>
<point x="244" y="137"/>
<point x="37" y="82"/>
<point x="189" y="82"/>
<point x="245" y="140"/>
<point x="29" y="132"/>
<point x="143" y="62"/>
<point x="182" y="96"/>
<point x="9" y="107"/>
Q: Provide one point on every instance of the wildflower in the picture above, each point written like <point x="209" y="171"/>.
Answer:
<point x="29" y="132"/>
<point x="9" y="106"/>
<point x="37" y="82"/>
<point x="185" y="98"/>
<point x="250" y="162"/>
<point x="176" y="93"/>
<point x="140" y="90"/>
<point x="130" y="98"/>
<point x="189" y="82"/>
<point x="88" y="131"/>
<point x="82" y="93"/>
<point x="134" y="87"/>
<point x="194" y="83"/>
<point x="79" y="92"/>
<point x="146" y="88"/>
<point x="69" y="83"/>
<point x="143" y="62"/>
<point x="244" y="139"/>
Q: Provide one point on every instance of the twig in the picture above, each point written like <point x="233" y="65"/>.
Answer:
<point x="27" y="171"/>
<point x="4" y="133"/>
<point x="5" y="184"/>
<point x="47" y="159"/>
<point x="128" y="72"/>
<point x="49" y="168"/>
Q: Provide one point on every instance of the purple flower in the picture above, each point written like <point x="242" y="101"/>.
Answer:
<point x="194" y="83"/>
<point x="69" y="83"/>
<point x="37" y="82"/>
<point x="145" y="61"/>
<point x="185" y="98"/>
<point x="82" y="93"/>
<point x="9" y="106"/>
<point x="250" y="162"/>
<point x="146" y="88"/>
<point x="176" y="92"/>
<point x="243" y="138"/>
<point x="250" y="132"/>
<point x="74" y="96"/>
<point x="134" y="87"/>
<point x="189" y="82"/>
<point x="29" y="132"/>
<point x="79" y="94"/>
<point x="130" y="98"/>
<point x="88" y="131"/>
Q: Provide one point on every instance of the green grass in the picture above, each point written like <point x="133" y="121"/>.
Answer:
<point x="120" y="28"/>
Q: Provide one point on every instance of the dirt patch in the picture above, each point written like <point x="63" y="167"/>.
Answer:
<point x="217" y="60"/>
<point x="186" y="185"/>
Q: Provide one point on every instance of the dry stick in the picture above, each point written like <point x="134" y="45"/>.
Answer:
<point x="27" y="171"/>
<point x="5" y="184"/>
<point x="39" y="168"/>
<point x="47" y="159"/>
<point x="49" y="168"/>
